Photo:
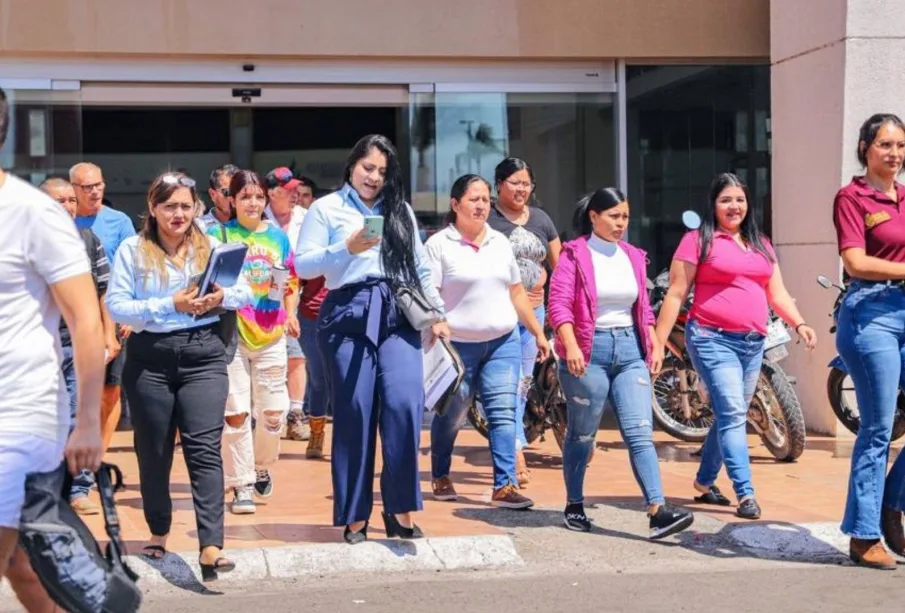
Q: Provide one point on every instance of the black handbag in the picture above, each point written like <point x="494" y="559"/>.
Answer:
<point x="228" y="325"/>
<point x="76" y="573"/>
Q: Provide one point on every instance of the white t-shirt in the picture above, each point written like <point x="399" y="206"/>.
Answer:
<point x="474" y="283"/>
<point x="617" y="288"/>
<point x="39" y="246"/>
<point x="295" y="223"/>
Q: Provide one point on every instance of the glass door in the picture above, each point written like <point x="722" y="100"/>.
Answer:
<point x="569" y="139"/>
<point x="45" y="131"/>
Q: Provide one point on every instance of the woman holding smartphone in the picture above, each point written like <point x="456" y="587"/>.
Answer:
<point x="175" y="373"/>
<point x="257" y="374"/>
<point x="371" y="352"/>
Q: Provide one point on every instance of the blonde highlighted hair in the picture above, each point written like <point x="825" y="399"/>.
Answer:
<point x="151" y="254"/>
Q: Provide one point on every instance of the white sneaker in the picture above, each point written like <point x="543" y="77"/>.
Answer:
<point x="243" y="500"/>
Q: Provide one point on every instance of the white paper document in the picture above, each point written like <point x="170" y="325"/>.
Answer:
<point x="440" y="372"/>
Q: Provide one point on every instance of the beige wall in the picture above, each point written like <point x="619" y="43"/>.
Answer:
<point x="827" y="79"/>
<point x="565" y="29"/>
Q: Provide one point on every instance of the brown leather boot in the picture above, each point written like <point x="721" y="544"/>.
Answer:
<point x="316" y="441"/>
<point x="870" y="553"/>
<point x="893" y="532"/>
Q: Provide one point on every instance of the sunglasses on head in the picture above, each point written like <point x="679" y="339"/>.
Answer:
<point x="283" y="175"/>
<point x="173" y="179"/>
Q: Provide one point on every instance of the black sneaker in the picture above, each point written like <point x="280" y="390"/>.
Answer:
<point x="575" y="519"/>
<point x="669" y="520"/>
<point x="263" y="483"/>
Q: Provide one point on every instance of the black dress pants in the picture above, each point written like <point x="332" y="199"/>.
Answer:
<point x="173" y="381"/>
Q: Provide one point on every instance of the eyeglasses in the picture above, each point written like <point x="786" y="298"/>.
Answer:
<point x="174" y="179"/>
<point x="91" y="187"/>
<point x="522" y="184"/>
<point x="224" y="191"/>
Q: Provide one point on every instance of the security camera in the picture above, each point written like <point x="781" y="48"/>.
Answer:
<point x="246" y="99"/>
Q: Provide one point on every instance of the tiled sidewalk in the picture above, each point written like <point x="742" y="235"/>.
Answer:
<point x="300" y="511"/>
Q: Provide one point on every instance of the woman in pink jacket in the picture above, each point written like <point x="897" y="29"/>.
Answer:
<point x="599" y="308"/>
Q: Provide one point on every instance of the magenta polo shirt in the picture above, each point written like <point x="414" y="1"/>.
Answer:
<point x="730" y="286"/>
<point x="871" y="220"/>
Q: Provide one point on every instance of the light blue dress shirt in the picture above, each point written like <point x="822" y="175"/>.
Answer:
<point x="136" y="297"/>
<point x="322" y="251"/>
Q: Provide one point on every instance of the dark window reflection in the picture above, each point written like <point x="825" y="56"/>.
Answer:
<point x="685" y="124"/>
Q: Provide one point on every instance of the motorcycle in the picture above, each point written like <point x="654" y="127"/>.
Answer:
<point x="545" y="408"/>
<point x="680" y="402"/>
<point x="839" y="387"/>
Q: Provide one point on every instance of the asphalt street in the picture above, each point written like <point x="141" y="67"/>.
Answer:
<point x="827" y="589"/>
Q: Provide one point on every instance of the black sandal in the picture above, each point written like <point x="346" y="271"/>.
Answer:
<point x="714" y="497"/>
<point x="221" y="565"/>
<point x="154" y="552"/>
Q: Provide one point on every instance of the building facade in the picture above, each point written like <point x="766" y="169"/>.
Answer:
<point x="652" y="96"/>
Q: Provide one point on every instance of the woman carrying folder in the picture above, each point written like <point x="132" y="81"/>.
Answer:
<point x="475" y="270"/>
<point x="371" y="353"/>
<point x="175" y="373"/>
<point x="257" y="373"/>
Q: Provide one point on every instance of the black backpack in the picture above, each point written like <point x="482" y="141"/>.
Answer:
<point x="77" y="575"/>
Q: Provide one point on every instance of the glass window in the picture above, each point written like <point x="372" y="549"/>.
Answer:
<point x="568" y="139"/>
<point x="685" y="124"/>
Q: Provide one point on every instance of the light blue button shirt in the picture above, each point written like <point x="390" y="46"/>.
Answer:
<point x="322" y="251"/>
<point x="136" y="297"/>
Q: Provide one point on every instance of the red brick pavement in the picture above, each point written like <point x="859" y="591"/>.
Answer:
<point x="300" y="511"/>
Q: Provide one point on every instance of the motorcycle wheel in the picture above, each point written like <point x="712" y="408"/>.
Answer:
<point x="784" y="435"/>
<point x="667" y="405"/>
<point x="478" y="421"/>
<point x="841" y="393"/>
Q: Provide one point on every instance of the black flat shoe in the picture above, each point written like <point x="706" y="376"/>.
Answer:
<point x="354" y="538"/>
<point x="749" y="509"/>
<point x="714" y="497"/>
<point x="210" y="572"/>
<point x="394" y="528"/>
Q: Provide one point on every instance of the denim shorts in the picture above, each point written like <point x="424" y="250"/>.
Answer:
<point x="293" y="348"/>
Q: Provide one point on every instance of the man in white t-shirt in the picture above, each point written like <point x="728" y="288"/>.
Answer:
<point x="44" y="271"/>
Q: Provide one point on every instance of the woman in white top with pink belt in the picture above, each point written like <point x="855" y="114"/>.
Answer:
<point x="478" y="278"/>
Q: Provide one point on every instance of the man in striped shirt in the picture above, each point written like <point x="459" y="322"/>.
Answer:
<point x="62" y="191"/>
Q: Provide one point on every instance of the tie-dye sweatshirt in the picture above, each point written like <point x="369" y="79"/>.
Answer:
<point x="263" y="321"/>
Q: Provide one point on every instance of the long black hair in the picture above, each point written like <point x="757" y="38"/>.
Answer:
<point x="458" y="190"/>
<point x="397" y="249"/>
<point x="749" y="231"/>
<point x="598" y="202"/>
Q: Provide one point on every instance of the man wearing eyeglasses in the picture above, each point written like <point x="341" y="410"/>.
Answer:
<point x="112" y="227"/>
<point x="218" y="191"/>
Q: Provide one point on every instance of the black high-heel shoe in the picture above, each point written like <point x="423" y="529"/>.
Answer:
<point x="209" y="572"/>
<point x="354" y="538"/>
<point x="394" y="528"/>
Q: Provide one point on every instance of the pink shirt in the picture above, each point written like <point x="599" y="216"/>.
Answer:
<point x="730" y="285"/>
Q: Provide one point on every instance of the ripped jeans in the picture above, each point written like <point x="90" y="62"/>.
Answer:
<point x="257" y="388"/>
<point x="616" y="372"/>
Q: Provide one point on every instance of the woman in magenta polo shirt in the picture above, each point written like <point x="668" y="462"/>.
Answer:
<point x="871" y="336"/>
<point x="734" y="270"/>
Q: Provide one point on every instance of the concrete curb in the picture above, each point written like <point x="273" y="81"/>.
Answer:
<point x="445" y="553"/>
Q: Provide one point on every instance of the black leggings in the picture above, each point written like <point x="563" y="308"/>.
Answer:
<point x="178" y="380"/>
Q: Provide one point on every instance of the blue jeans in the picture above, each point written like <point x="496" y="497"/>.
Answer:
<point x="529" y="359"/>
<point x="316" y="397"/>
<point x="870" y="338"/>
<point x="492" y="367"/>
<point x="729" y="364"/>
<point x="82" y="483"/>
<point x="616" y="372"/>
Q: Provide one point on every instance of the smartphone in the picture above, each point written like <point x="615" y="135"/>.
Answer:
<point x="373" y="226"/>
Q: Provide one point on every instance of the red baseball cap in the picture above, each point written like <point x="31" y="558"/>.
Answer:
<point x="282" y="177"/>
